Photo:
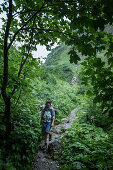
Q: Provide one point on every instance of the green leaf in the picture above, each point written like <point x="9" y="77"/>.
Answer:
<point x="74" y="58"/>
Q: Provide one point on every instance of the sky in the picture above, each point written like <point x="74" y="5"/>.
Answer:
<point x="42" y="52"/>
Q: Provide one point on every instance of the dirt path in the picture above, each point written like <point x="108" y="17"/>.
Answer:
<point x="46" y="161"/>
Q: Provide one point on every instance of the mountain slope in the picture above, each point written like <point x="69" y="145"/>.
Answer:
<point x="58" y="63"/>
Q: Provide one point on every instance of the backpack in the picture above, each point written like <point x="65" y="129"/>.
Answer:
<point x="52" y="106"/>
<point x="47" y="117"/>
<point x="55" y="109"/>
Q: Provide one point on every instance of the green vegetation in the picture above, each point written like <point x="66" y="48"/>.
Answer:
<point x="36" y="84"/>
<point x="19" y="148"/>
<point x="87" y="147"/>
<point x="58" y="63"/>
<point x="88" y="144"/>
<point x="86" y="29"/>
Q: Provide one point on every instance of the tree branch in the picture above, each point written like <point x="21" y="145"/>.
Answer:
<point x="18" y="97"/>
<point x="50" y="30"/>
<point x="24" y="26"/>
<point x="22" y="63"/>
<point x="24" y="12"/>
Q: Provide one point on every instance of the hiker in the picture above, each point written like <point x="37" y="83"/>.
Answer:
<point x="47" y="121"/>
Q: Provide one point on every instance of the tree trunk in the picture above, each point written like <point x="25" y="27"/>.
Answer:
<point x="7" y="114"/>
<point x="5" y="96"/>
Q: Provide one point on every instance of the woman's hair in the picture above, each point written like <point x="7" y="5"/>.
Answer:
<point x="48" y="101"/>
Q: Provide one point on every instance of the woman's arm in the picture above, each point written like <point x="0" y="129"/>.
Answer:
<point x="53" y="120"/>
<point x="53" y="117"/>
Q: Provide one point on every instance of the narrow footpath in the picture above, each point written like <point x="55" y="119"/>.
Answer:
<point x="48" y="160"/>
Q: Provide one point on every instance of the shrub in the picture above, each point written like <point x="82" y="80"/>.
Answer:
<point x="86" y="147"/>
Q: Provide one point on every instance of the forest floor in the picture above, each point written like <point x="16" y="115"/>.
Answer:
<point x="48" y="160"/>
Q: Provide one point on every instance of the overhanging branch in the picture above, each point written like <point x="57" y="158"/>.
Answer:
<point x="49" y="30"/>
<point x="24" y="12"/>
<point x="23" y="62"/>
<point x="24" y="26"/>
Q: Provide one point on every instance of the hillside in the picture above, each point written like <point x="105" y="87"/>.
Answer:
<point x="56" y="82"/>
<point x="58" y="63"/>
<point x="58" y="56"/>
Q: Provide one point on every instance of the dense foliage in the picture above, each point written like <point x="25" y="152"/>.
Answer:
<point x="25" y="129"/>
<point x="88" y="144"/>
<point x="87" y="147"/>
<point x="35" y="85"/>
<point x="86" y="28"/>
<point x="58" y="62"/>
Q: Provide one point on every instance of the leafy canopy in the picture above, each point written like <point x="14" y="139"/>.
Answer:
<point x="78" y="23"/>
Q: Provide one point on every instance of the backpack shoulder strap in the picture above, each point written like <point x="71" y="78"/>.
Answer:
<point x="44" y="109"/>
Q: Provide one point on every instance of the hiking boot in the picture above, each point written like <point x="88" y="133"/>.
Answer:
<point x="45" y="148"/>
<point x="50" y="137"/>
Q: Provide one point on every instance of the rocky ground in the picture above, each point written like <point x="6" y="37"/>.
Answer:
<point x="48" y="160"/>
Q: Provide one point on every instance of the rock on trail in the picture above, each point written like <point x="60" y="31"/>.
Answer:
<point x="48" y="161"/>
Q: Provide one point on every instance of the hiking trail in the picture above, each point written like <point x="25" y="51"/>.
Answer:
<point x="48" y="161"/>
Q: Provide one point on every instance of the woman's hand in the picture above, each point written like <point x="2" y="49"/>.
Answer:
<point x="52" y="124"/>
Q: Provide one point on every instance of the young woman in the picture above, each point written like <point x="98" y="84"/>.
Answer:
<point x="47" y="121"/>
